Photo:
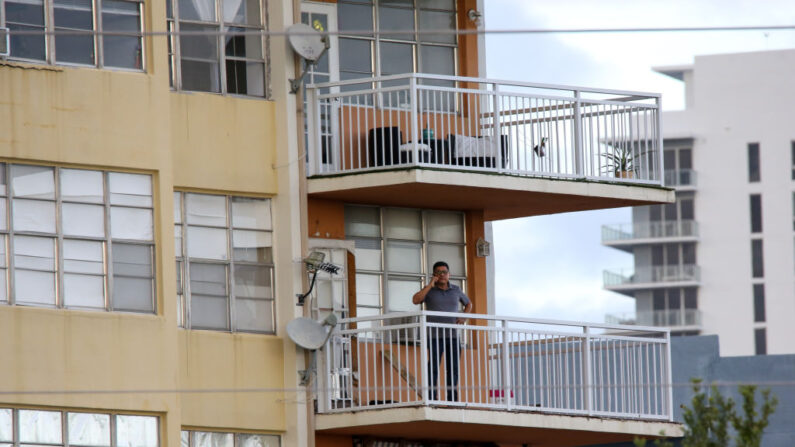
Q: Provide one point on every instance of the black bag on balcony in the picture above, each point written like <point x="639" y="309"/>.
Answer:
<point x="383" y="146"/>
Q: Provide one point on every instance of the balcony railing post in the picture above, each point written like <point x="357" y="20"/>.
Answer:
<point x="323" y="390"/>
<point x="586" y="373"/>
<point x="658" y="115"/>
<point x="497" y="140"/>
<point x="578" y="143"/>
<point x="416" y="114"/>
<point x="669" y="374"/>
<point x="313" y="131"/>
<point x="424" y="383"/>
<point x="506" y="367"/>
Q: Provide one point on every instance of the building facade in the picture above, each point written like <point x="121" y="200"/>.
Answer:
<point x="161" y="187"/>
<point x="719" y="261"/>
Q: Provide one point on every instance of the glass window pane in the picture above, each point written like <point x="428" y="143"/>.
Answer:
<point x="368" y="290"/>
<point x="3" y="286"/>
<point x="34" y="287"/>
<point x="396" y="58"/>
<point x="252" y="246"/>
<point x="132" y="277"/>
<point x="245" y="440"/>
<point x="251" y="213"/>
<point x="209" y="296"/>
<point x="121" y="51"/>
<point x="437" y="20"/>
<point x="34" y="252"/>
<point x="40" y="426"/>
<point x="437" y="4"/>
<point x="136" y="431"/>
<point x="131" y="223"/>
<point x="177" y="207"/>
<point x="84" y="291"/>
<point x="396" y="19"/>
<point x="200" y="10"/>
<point x="367" y="312"/>
<point x="355" y="17"/>
<point x="83" y="256"/>
<point x="130" y="189"/>
<point x="34" y="215"/>
<point x="83" y="220"/>
<point x="81" y="186"/>
<point x="400" y="294"/>
<point x="362" y="221"/>
<point x="368" y="254"/>
<point x="211" y="439"/>
<point x="242" y="11"/>
<point x="33" y="181"/>
<point x="200" y="76"/>
<point x="132" y="294"/>
<point x="204" y="209"/>
<point x="402" y="223"/>
<point x="404" y="257"/>
<point x="132" y="260"/>
<point x="445" y="227"/>
<point x="254" y="315"/>
<point x="453" y="255"/>
<point x="437" y="60"/>
<point x="355" y="55"/>
<point x="3" y="214"/>
<point x="245" y="78"/>
<point x="178" y="241"/>
<point x="6" y="425"/>
<point x="253" y="281"/>
<point x="207" y="243"/>
<point x="184" y="438"/>
<point x="26" y="15"/>
<point x="89" y="429"/>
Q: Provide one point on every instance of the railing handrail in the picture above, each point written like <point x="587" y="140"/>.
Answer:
<point x="561" y="87"/>
<point x="551" y="322"/>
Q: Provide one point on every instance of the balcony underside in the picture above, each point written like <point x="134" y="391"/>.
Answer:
<point x="500" y="196"/>
<point x="536" y="429"/>
<point x="628" y="245"/>
<point x="630" y="288"/>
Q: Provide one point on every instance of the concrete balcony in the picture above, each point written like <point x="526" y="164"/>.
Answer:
<point x="675" y="320"/>
<point x="512" y="149"/>
<point x="519" y="380"/>
<point x="628" y="281"/>
<point x="627" y="236"/>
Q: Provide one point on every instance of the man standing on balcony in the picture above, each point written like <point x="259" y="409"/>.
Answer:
<point x="441" y="296"/>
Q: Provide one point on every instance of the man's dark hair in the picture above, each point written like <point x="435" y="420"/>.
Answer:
<point x="440" y="264"/>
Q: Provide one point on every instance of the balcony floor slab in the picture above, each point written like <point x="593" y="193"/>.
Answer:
<point x="500" y="196"/>
<point x="537" y="429"/>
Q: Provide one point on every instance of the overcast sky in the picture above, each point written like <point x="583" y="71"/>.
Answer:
<point x="551" y="266"/>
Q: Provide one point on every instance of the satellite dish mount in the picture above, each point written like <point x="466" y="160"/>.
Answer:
<point x="311" y="335"/>
<point x="308" y="42"/>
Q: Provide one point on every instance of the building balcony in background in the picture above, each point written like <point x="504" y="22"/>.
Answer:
<point x="652" y="277"/>
<point x="674" y="319"/>
<point x="626" y="236"/>
<point x="680" y="178"/>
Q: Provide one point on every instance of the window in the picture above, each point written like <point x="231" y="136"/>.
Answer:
<point x="76" y="25"/>
<point x="756" y="213"/>
<point x="792" y="153"/>
<point x="403" y="50"/>
<point x="760" y="341"/>
<point x="759" y="302"/>
<point x="224" y="262"/>
<point x="222" y="49"/>
<point x="754" y="174"/>
<point x="76" y="238"/>
<point x="61" y="428"/>
<point x="395" y="251"/>
<point x="224" y="439"/>
<point x="757" y="261"/>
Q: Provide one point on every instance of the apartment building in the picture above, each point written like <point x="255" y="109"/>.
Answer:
<point x="719" y="260"/>
<point x="161" y="187"/>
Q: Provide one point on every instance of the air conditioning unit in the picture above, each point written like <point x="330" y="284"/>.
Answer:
<point x="4" y="45"/>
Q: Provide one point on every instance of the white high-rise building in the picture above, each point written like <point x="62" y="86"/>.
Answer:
<point x="720" y="259"/>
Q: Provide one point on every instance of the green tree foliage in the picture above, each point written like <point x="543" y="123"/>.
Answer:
<point x="711" y="415"/>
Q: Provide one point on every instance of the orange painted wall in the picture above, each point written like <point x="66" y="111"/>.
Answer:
<point x="333" y="441"/>
<point x="326" y="219"/>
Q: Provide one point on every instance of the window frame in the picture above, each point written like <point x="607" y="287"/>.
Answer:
<point x="184" y="261"/>
<point x="175" y="58"/>
<point x="190" y="432"/>
<point x="50" y="55"/>
<point x="423" y="277"/>
<point x="754" y="163"/>
<point x="58" y="236"/>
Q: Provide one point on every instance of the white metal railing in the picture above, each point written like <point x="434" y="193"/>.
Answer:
<point x="483" y="125"/>
<point x="649" y="230"/>
<point x="652" y="274"/>
<point x="680" y="177"/>
<point x="503" y="363"/>
<point x="664" y="318"/>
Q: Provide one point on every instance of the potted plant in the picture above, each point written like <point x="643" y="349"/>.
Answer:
<point x="621" y="162"/>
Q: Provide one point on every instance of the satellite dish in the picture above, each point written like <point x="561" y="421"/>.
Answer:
<point x="306" y="41"/>
<point x="310" y="334"/>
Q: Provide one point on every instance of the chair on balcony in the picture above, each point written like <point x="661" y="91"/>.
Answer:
<point x="477" y="151"/>
<point x="383" y="146"/>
